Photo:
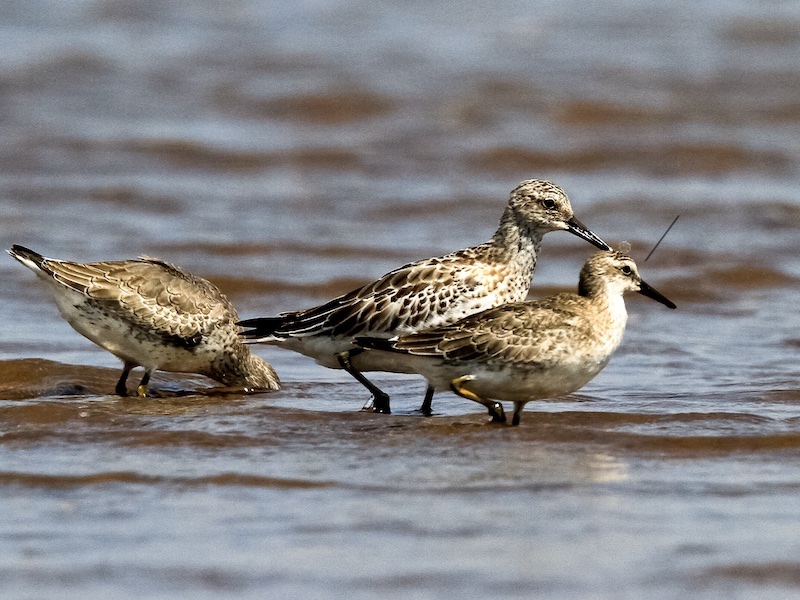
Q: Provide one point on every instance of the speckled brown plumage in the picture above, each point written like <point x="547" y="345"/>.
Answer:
<point x="527" y="350"/>
<point x="428" y="293"/>
<point x="152" y="314"/>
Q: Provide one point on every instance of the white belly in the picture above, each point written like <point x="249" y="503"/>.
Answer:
<point x="521" y="383"/>
<point x="125" y="340"/>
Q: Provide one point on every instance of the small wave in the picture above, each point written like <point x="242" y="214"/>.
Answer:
<point x="476" y="209"/>
<point x="36" y="377"/>
<point x="770" y="573"/>
<point x="284" y="247"/>
<point x="679" y="446"/>
<point x="331" y="108"/>
<point x="60" y="67"/>
<point x="763" y="31"/>
<point x="716" y="284"/>
<point x="592" y="112"/>
<point x="196" y="155"/>
<point x="236" y="286"/>
<point x="29" y="378"/>
<point x="37" y="480"/>
<point x="131" y="199"/>
<point x="749" y="277"/>
<point x="667" y="160"/>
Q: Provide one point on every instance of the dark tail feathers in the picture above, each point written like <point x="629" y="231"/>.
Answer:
<point x="261" y="327"/>
<point x="18" y="251"/>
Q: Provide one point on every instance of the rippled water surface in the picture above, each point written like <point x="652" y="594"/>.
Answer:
<point x="292" y="151"/>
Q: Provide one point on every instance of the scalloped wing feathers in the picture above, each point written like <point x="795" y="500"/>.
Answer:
<point x="150" y="293"/>
<point x="422" y="294"/>
<point x="503" y="334"/>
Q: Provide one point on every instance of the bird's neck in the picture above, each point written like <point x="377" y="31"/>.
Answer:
<point x="519" y="241"/>
<point x="605" y="301"/>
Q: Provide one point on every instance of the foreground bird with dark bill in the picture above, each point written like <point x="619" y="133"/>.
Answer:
<point x="427" y="293"/>
<point x="526" y="351"/>
<point x="151" y="314"/>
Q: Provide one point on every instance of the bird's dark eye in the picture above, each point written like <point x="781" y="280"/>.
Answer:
<point x="549" y="203"/>
<point x="626" y="270"/>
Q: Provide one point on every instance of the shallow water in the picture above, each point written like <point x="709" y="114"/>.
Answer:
<point x="292" y="151"/>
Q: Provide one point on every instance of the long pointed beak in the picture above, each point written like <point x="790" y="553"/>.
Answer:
<point x="575" y="227"/>
<point x="651" y="292"/>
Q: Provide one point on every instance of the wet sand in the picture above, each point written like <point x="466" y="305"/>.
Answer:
<point x="290" y="153"/>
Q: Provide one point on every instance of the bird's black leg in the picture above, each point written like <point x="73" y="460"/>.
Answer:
<point x="426" y="409"/>
<point x="380" y="400"/>
<point x="518" y="406"/>
<point x="142" y="389"/>
<point x="122" y="389"/>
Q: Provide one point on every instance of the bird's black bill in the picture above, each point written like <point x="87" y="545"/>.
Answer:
<point x="575" y="227"/>
<point x="651" y="292"/>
